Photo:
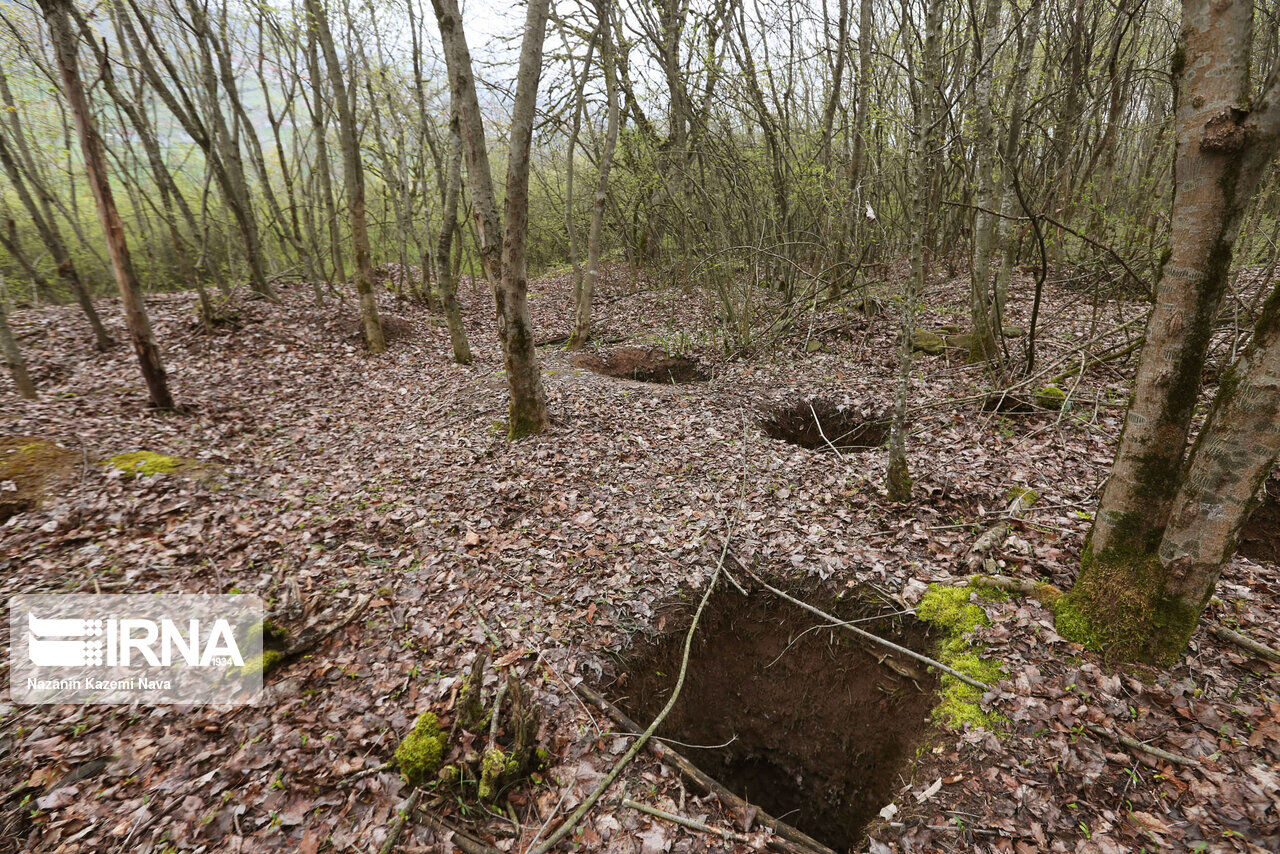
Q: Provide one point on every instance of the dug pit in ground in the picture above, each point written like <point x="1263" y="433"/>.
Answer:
<point x="643" y="364"/>
<point x="823" y="425"/>
<point x="794" y="716"/>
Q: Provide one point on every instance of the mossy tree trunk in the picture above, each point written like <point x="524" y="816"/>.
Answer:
<point x="353" y="177"/>
<point x="63" y="38"/>
<point x="1146" y="574"/>
<point x="983" y="341"/>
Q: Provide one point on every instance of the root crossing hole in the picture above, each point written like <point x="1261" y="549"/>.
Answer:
<point x="802" y="719"/>
<point x="821" y="425"/>
<point x="644" y="364"/>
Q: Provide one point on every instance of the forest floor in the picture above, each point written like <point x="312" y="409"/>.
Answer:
<point x="327" y="474"/>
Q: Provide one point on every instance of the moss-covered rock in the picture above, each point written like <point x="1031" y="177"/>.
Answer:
<point x="418" y="757"/>
<point x="960" y="341"/>
<point x="1050" y="397"/>
<point x="149" y="463"/>
<point x="28" y="465"/>
<point x="953" y="611"/>
<point x="813" y="346"/>
<point x="924" y="341"/>
<point x="262" y="664"/>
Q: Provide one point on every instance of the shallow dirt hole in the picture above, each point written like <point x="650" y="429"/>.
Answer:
<point x="803" y="720"/>
<point x="644" y="364"/>
<point x="820" y="424"/>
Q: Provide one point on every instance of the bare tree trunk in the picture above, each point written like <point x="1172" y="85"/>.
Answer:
<point x="64" y="44"/>
<point x="982" y="345"/>
<point x="1137" y="595"/>
<point x="515" y="326"/>
<point x="353" y="176"/>
<point x="898" y="484"/>
<point x="445" y="278"/>
<point x="46" y="225"/>
<point x="12" y="355"/>
<point x="504" y="263"/>
<point x="586" y="292"/>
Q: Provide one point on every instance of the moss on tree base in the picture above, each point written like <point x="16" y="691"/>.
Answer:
<point x="1118" y="606"/>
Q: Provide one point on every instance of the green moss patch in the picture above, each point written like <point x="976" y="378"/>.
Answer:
<point x="418" y="757"/>
<point x="953" y="611"/>
<point x="149" y="463"/>
<point x="28" y="465"/>
<point x="1050" y="397"/>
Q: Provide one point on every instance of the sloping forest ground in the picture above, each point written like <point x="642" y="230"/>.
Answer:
<point x="325" y="475"/>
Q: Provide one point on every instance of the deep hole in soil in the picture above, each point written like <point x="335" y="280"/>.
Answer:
<point x="644" y="364"/>
<point x="820" y="424"/>
<point x="807" y="722"/>
<point x="1260" y="536"/>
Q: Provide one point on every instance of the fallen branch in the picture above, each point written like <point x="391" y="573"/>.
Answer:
<point x="865" y="635"/>
<point x="789" y="841"/>
<point x="1246" y="642"/>
<point x="726" y="835"/>
<point x="397" y="827"/>
<point x="1045" y="592"/>
<point x="316" y="632"/>
<point x="367" y="772"/>
<point x="1134" y="744"/>
<point x="991" y="539"/>
<point x="464" y="843"/>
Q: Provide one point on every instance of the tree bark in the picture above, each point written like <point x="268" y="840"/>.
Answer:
<point x="982" y="338"/>
<point x="586" y="290"/>
<point x="1143" y="581"/>
<point x="353" y="176"/>
<point x="445" y="278"/>
<point x="515" y="325"/>
<point x="504" y="263"/>
<point x="12" y="355"/>
<point x="898" y="478"/>
<point x="64" y="44"/>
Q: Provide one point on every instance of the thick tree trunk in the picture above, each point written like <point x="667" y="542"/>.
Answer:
<point x="585" y="292"/>
<point x="64" y="44"/>
<point x="1136" y="594"/>
<point x="353" y="177"/>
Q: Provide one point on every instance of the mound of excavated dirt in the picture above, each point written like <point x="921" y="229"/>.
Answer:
<point x="28" y="465"/>
<point x="644" y="364"/>
<point x="804" y="721"/>
<point x="821" y="425"/>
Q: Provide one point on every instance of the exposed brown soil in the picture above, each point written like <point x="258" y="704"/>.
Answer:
<point x="812" y="726"/>
<point x="643" y="364"/>
<point x="1260" y="537"/>
<point x="821" y="424"/>
<point x="394" y="328"/>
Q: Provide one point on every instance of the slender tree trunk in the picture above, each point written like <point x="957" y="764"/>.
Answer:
<point x="898" y="483"/>
<point x="1136" y="594"/>
<point x="503" y="262"/>
<point x="982" y="345"/>
<point x="64" y="44"/>
<point x="586" y="292"/>
<point x="12" y="355"/>
<point x="445" y="278"/>
<point x="515" y="326"/>
<point x="353" y="176"/>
